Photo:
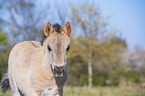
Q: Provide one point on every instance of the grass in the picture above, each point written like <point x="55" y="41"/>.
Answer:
<point x="98" y="91"/>
<point x="102" y="91"/>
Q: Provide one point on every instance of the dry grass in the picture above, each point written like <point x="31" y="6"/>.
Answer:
<point x="98" y="91"/>
<point x="102" y="91"/>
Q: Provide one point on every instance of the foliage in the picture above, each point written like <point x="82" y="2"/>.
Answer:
<point x="22" y="19"/>
<point x="88" y="19"/>
<point x="4" y="51"/>
<point x="106" y="63"/>
<point x="98" y="80"/>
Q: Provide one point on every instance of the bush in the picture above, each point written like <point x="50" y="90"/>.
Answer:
<point x="98" y="80"/>
<point x="84" y="80"/>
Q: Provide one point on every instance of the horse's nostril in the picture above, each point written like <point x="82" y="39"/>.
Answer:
<point x="59" y="70"/>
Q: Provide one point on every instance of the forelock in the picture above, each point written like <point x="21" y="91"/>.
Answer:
<point x="57" y="28"/>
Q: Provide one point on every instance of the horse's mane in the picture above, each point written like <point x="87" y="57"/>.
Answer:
<point x="57" y="28"/>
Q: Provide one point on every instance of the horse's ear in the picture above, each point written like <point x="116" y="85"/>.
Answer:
<point x="68" y="28"/>
<point x="48" y="29"/>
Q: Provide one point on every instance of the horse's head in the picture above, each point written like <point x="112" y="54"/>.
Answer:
<point x="57" y="45"/>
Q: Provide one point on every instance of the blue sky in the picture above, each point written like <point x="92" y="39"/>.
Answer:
<point x="127" y="16"/>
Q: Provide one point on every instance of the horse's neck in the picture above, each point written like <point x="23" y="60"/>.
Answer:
<point x="42" y="68"/>
<point x="41" y="61"/>
<point x="45" y="62"/>
<point x="46" y="71"/>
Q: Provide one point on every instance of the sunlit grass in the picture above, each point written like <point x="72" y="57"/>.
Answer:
<point x="8" y="93"/>
<point x="102" y="91"/>
<point x="98" y="91"/>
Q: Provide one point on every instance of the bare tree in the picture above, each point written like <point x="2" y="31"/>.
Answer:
<point x="135" y="59"/>
<point x="23" y="19"/>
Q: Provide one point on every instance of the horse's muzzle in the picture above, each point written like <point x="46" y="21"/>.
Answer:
<point x="59" y="71"/>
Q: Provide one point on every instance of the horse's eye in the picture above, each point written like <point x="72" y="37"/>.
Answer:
<point x="49" y="49"/>
<point x="67" y="49"/>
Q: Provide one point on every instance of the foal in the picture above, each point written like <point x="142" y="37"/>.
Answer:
<point x="39" y="69"/>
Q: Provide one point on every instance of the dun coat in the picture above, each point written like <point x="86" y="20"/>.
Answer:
<point x="37" y="69"/>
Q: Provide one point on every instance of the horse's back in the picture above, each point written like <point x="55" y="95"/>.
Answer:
<point x="20" y="61"/>
<point x="23" y="51"/>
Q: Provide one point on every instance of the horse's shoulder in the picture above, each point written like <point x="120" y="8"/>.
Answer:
<point x="36" y="44"/>
<point x="28" y="44"/>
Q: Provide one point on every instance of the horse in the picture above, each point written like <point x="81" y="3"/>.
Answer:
<point x="39" y="69"/>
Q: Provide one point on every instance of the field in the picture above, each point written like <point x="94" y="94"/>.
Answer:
<point x="98" y="91"/>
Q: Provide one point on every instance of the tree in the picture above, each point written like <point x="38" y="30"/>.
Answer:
<point x="98" y="43"/>
<point x="135" y="59"/>
<point x="106" y="62"/>
<point x="23" y="19"/>
<point x="89" y="19"/>
<point x="4" y="52"/>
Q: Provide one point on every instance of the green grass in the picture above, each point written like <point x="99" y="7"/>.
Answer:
<point x="102" y="91"/>
<point x="99" y="91"/>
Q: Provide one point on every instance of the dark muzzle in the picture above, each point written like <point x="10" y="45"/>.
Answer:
<point x="59" y="71"/>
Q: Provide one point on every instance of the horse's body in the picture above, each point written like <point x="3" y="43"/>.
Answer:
<point x="26" y="70"/>
<point x="30" y="69"/>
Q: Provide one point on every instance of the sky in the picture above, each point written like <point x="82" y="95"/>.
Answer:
<point x="127" y="16"/>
